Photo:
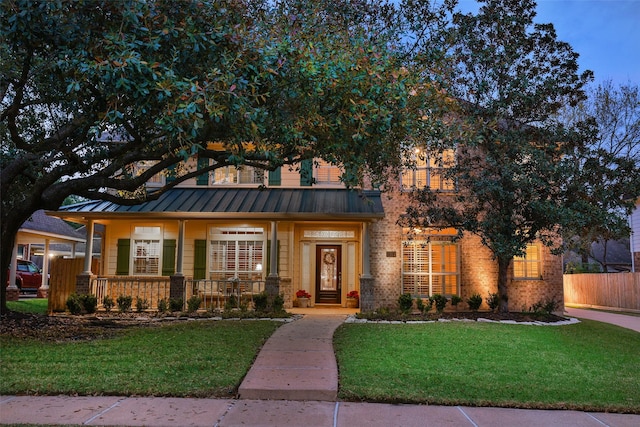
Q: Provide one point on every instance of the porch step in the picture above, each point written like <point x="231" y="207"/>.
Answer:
<point x="296" y="363"/>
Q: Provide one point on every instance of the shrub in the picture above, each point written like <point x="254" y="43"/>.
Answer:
<point x="193" y="304"/>
<point x="278" y="303"/>
<point x="163" y="305"/>
<point x="141" y="304"/>
<point x="107" y="303"/>
<point x="124" y="303"/>
<point x="547" y="306"/>
<point x="455" y="300"/>
<point x="405" y="302"/>
<point x="89" y="303"/>
<point x="424" y="306"/>
<point x="74" y="304"/>
<point x="231" y="303"/>
<point x="440" y="301"/>
<point x="260" y="301"/>
<point x="493" y="301"/>
<point x="176" y="304"/>
<point x="474" y="302"/>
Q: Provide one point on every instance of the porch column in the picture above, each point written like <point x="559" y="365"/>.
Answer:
<point x="73" y="250"/>
<point x="367" y="300"/>
<point x="88" y="253"/>
<point x="273" y="264"/>
<point x="180" y="260"/>
<point x="272" y="284"/>
<point x="13" y="293"/>
<point x="366" y="251"/>
<point x="43" y="290"/>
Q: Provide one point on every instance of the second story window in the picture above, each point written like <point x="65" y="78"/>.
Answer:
<point x="241" y="175"/>
<point x="326" y="173"/>
<point x="429" y="172"/>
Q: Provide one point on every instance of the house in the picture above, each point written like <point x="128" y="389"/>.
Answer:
<point x="634" y="239"/>
<point x="41" y="238"/>
<point x="240" y="231"/>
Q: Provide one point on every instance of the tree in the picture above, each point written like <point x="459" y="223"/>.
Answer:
<point x="89" y="90"/>
<point x="510" y="76"/>
<point x="609" y="164"/>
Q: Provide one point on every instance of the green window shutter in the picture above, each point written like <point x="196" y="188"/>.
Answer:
<point x="269" y="256"/>
<point x="204" y="178"/>
<point x="168" y="257"/>
<point x="275" y="177"/>
<point x="200" y="260"/>
<point x="306" y="173"/>
<point x="122" y="258"/>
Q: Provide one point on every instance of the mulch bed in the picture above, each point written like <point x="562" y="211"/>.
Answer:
<point x="467" y="315"/>
<point x="60" y="328"/>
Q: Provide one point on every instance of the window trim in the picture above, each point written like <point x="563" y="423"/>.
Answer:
<point x="424" y="164"/>
<point x="150" y="235"/>
<point x="429" y="239"/>
<point x="526" y="263"/>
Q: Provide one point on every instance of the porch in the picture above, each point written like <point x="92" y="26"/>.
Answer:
<point x="214" y="294"/>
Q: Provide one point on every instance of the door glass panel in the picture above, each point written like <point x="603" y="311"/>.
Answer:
<point x="328" y="270"/>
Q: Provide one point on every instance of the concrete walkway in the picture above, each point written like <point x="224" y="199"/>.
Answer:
<point x="629" y="322"/>
<point x="293" y="382"/>
<point x="297" y="362"/>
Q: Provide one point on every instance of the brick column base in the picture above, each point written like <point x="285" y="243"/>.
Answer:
<point x="83" y="284"/>
<point x="177" y="286"/>
<point x="286" y="287"/>
<point x="13" y="294"/>
<point x="367" y="299"/>
<point x="43" y="292"/>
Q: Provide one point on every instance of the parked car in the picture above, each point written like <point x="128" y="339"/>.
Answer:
<point x="28" y="276"/>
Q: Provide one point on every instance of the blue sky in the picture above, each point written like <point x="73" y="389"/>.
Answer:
<point x="606" y="34"/>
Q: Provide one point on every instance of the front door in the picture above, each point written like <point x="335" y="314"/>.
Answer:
<point x="328" y="274"/>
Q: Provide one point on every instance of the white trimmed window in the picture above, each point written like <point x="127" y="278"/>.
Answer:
<point x="429" y="171"/>
<point x="326" y="173"/>
<point x="146" y="250"/>
<point x="239" y="175"/>
<point x="236" y="253"/>
<point x="528" y="266"/>
<point x="430" y="263"/>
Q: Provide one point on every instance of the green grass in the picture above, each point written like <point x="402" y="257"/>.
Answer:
<point x="587" y="366"/>
<point x="33" y="305"/>
<point x="196" y="358"/>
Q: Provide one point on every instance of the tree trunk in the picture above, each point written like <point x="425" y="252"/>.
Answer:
<point x="503" y="269"/>
<point x="11" y="223"/>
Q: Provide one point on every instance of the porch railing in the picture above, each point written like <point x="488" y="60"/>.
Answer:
<point x="216" y="294"/>
<point x="148" y="289"/>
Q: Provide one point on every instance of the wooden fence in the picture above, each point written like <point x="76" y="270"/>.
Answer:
<point x="62" y="282"/>
<point x="615" y="291"/>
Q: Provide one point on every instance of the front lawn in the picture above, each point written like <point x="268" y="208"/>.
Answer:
<point x="189" y="358"/>
<point x="31" y="305"/>
<point x="587" y="366"/>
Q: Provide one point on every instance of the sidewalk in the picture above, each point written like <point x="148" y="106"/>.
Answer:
<point x="293" y="382"/>
<point x="629" y="322"/>
<point x="148" y="411"/>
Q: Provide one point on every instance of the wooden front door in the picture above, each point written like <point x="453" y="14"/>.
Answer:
<point x="328" y="274"/>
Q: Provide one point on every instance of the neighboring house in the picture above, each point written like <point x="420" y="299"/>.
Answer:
<point x="328" y="240"/>
<point x="37" y="241"/>
<point x="634" y="239"/>
<point x="612" y="256"/>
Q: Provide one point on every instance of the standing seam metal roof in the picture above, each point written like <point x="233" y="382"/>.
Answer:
<point x="251" y="201"/>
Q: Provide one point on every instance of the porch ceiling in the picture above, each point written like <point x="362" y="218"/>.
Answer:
<point x="240" y="203"/>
